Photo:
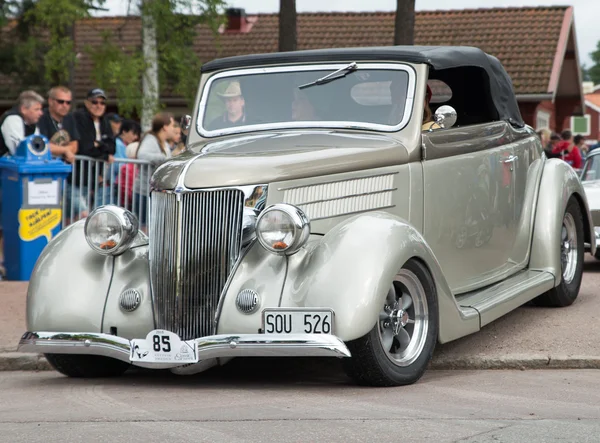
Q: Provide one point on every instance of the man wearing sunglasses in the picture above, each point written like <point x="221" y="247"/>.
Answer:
<point x="58" y="125"/>
<point x="96" y="136"/>
<point x="96" y="140"/>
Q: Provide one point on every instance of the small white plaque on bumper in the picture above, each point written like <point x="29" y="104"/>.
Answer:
<point x="297" y="321"/>
<point x="162" y="346"/>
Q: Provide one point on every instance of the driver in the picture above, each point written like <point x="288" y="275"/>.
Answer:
<point x="234" y="114"/>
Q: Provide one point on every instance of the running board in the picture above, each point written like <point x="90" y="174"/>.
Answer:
<point x="492" y="302"/>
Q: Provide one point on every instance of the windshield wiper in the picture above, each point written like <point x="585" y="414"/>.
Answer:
<point x="340" y="73"/>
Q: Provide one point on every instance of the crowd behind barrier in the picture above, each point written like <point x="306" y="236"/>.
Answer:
<point x="112" y="160"/>
<point x="95" y="182"/>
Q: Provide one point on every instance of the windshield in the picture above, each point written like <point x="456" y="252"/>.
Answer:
<point x="372" y="96"/>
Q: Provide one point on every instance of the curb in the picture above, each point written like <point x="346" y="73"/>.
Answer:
<point x="20" y="361"/>
<point x="516" y="361"/>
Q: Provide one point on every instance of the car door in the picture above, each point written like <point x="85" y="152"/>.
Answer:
<point x="526" y="165"/>
<point x="469" y="196"/>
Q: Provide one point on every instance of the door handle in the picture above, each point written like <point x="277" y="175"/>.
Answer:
<point x="510" y="159"/>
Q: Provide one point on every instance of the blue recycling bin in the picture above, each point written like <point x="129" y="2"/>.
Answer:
<point x="31" y="204"/>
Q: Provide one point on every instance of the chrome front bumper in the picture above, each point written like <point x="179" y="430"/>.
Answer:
<point x="211" y="347"/>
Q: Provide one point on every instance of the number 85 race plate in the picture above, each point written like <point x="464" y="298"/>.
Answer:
<point x="162" y="346"/>
<point x="297" y="321"/>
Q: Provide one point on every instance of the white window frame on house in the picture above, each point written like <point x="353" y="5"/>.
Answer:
<point x="588" y="117"/>
<point x="542" y="120"/>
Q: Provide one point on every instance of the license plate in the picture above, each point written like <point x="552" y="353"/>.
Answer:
<point x="298" y="321"/>
<point x="162" y="346"/>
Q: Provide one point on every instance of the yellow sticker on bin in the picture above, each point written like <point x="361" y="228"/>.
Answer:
<point x="35" y="223"/>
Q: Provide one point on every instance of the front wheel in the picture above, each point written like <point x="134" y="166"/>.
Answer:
<point x="86" y="366"/>
<point x="399" y="347"/>
<point x="571" y="258"/>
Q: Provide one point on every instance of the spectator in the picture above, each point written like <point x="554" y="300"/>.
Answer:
<point x="115" y="122"/>
<point x="16" y="124"/>
<point x="58" y="125"/>
<point x="579" y="141"/>
<point x="127" y="174"/>
<point x="20" y="121"/>
<point x="176" y="144"/>
<point x="568" y="151"/>
<point x="96" y="137"/>
<point x="554" y="140"/>
<point x="129" y="132"/>
<point x="155" y="149"/>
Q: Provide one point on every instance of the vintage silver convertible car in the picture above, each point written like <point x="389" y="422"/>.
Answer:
<point x="314" y="215"/>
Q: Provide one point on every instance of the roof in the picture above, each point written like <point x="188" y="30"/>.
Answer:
<point x="438" y="57"/>
<point x="593" y="101"/>
<point x="524" y="39"/>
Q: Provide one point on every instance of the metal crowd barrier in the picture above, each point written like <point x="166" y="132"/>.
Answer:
<point x="95" y="182"/>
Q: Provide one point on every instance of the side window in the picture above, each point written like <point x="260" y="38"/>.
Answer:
<point x="467" y="90"/>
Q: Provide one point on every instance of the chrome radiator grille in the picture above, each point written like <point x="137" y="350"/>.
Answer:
<point x="195" y="239"/>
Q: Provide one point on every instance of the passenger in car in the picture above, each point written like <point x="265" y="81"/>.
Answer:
<point x="302" y="108"/>
<point x="428" y="123"/>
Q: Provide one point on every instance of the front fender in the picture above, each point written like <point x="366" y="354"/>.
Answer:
<point x="351" y="268"/>
<point x="559" y="183"/>
<point x="69" y="284"/>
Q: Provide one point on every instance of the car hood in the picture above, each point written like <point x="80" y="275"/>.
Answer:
<point x="274" y="156"/>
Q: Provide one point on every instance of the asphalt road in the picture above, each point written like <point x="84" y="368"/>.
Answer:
<point x="300" y="402"/>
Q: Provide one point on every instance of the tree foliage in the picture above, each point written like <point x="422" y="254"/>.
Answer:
<point x="122" y="69"/>
<point x="37" y="48"/>
<point x="593" y="72"/>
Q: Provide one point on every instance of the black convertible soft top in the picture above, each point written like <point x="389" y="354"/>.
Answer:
<point x="438" y="57"/>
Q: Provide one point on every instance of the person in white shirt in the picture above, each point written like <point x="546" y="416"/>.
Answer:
<point x="20" y="121"/>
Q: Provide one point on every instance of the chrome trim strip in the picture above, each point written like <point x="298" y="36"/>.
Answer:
<point x="214" y="346"/>
<point x="398" y="66"/>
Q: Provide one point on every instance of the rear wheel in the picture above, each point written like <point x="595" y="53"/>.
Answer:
<point x="571" y="258"/>
<point x="86" y="366"/>
<point x="398" y="349"/>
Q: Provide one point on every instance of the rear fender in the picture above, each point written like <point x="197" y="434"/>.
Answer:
<point x="351" y="268"/>
<point x="559" y="183"/>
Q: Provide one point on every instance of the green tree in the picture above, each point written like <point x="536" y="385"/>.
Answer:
<point x="176" y="24"/>
<point x="594" y="70"/>
<point x="39" y="41"/>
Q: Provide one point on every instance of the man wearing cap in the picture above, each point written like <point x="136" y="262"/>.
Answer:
<point x="97" y="139"/>
<point x="234" y="102"/>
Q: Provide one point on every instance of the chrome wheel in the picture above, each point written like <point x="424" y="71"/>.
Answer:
<point x="568" y="248"/>
<point x="403" y="322"/>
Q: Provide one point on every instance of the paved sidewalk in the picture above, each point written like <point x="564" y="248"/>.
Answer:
<point x="529" y="337"/>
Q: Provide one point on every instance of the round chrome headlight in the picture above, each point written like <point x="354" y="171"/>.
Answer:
<point x="282" y="229"/>
<point x="109" y="230"/>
